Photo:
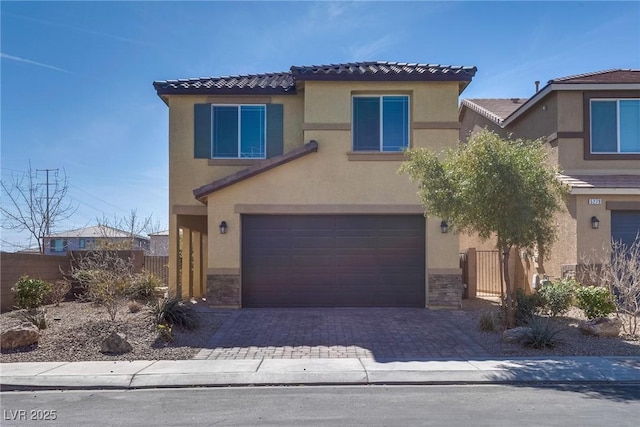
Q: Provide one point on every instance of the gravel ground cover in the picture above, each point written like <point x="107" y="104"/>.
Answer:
<point x="572" y="342"/>
<point x="76" y="329"/>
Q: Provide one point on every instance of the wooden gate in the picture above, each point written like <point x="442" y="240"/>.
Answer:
<point x="481" y="273"/>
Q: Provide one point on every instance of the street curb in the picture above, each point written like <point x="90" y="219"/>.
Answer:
<point x="125" y="375"/>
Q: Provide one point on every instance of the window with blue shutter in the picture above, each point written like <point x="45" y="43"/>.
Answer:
<point x="380" y="123"/>
<point x="615" y="126"/>
<point x="238" y="131"/>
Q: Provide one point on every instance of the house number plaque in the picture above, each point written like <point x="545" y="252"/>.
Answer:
<point x="595" y="201"/>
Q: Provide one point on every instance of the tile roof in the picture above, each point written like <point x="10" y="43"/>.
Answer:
<point x="262" y="166"/>
<point x="605" y="76"/>
<point x="495" y="109"/>
<point x="284" y="82"/>
<point x="267" y="84"/>
<point x="383" y="70"/>
<point x="601" y="181"/>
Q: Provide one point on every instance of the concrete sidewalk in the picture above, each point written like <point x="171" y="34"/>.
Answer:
<point x="203" y="373"/>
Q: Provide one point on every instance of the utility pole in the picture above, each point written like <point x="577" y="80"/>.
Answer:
<point x="47" y="219"/>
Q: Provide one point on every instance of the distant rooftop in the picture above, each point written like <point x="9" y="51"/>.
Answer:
<point x="97" y="231"/>
<point x="495" y="109"/>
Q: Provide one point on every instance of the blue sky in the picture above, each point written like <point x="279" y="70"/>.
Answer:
<point x="76" y="77"/>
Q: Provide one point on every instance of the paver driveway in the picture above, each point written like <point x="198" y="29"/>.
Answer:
<point x="380" y="333"/>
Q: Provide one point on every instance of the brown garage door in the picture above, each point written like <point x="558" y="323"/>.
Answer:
<point x="333" y="260"/>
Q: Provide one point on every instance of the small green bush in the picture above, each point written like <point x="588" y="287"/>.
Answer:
<point x="557" y="296"/>
<point x="143" y="286"/>
<point x="172" y="311"/>
<point x="527" y="306"/>
<point x="488" y="321"/>
<point x="30" y="293"/>
<point x="543" y="333"/>
<point x="595" y="301"/>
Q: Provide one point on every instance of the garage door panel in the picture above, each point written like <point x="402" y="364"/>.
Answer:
<point x="355" y="242"/>
<point x="625" y="226"/>
<point x="333" y="260"/>
<point x="320" y="241"/>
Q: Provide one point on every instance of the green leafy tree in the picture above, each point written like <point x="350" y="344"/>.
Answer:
<point x="493" y="187"/>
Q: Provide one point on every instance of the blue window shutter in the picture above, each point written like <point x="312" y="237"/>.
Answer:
<point x="202" y="131"/>
<point x="604" y="135"/>
<point x="366" y="124"/>
<point x="275" y="130"/>
<point x="395" y="123"/>
<point x="225" y="132"/>
<point x="630" y="126"/>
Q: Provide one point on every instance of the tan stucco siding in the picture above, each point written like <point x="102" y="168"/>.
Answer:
<point x="187" y="173"/>
<point x="571" y="118"/>
<point x="330" y="102"/>
<point x="323" y="178"/>
<point x="539" y="121"/>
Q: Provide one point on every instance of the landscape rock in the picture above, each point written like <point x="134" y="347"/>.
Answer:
<point x="116" y="343"/>
<point x="601" y="327"/>
<point x="516" y="335"/>
<point x="19" y="336"/>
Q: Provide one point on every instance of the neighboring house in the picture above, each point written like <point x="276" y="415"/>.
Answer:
<point x="591" y="125"/>
<point x="90" y="238"/>
<point x="284" y="188"/>
<point x="159" y="245"/>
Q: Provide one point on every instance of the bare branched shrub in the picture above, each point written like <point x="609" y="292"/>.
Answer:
<point x="619" y="270"/>
<point x="106" y="276"/>
<point x="59" y="290"/>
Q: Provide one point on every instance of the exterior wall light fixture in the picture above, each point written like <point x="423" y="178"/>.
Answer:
<point x="223" y="227"/>
<point x="444" y="227"/>
<point x="595" y="223"/>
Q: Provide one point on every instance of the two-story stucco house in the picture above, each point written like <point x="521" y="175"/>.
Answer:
<point x="591" y="125"/>
<point x="284" y="187"/>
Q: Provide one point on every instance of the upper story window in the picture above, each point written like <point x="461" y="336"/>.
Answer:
<point x="380" y="123"/>
<point x="615" y="126"/>
<point x="239" y="131"/>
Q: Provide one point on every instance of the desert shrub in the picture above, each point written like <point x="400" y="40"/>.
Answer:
<point x="619" y="270"/>
<point x="557" y="296"/>
<point x="30" y="293"/>
<point x="134" y="306"/>
<point x="172" y="311"/>
<point x="143" y="286"/>
<point x="106" y="277"/>
<point x="59" y="290"/>
<point x="543" y="333"/>
<point x="527" y="306"/>
<point x="595" y="301"/>
<point x="488" y="321"/>
<point x="36" y="316"/>
<point x="165" y="332"/>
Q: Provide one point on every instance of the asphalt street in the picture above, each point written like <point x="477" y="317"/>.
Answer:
<point x="477" y="405"/>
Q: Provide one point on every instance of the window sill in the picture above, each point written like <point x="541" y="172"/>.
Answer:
<point x="612" y="156"/>
<point x="233" y="162"/>
<point x="375" y="156"/>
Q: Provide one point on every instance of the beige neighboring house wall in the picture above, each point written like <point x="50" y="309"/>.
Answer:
<point x="332" y="180"/>
<point x="599" y="184"/>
